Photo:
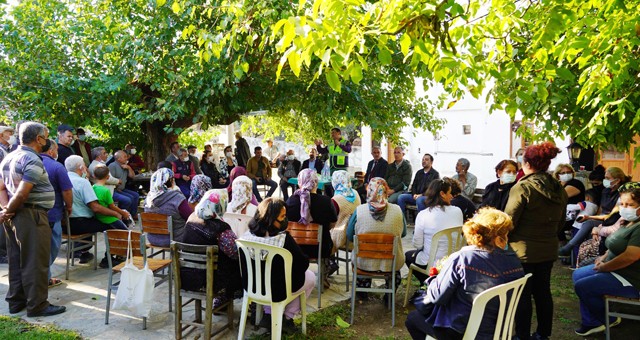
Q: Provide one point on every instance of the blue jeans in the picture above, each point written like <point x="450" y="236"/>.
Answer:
<point x="405" y="199"/>
<point x="56" y="240"/>
<point x="591" y="287"/>
<point x="127" y="199"/>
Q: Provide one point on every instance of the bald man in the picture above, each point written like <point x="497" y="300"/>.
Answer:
<point x="127" y="199"/>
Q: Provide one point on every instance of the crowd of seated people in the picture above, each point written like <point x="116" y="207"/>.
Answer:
<point x="525" y="211"/>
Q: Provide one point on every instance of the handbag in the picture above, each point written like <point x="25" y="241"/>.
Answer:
<point x="135" y="291"/>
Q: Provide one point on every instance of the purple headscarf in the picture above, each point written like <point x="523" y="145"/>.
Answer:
<point x="307" y="181"/>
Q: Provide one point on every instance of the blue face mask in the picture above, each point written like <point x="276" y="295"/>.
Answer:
<point x="629" y="214"/>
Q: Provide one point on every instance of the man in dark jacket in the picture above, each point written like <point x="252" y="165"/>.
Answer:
<point x="398" y="175"/>
<point x="288" y="169"/>
<point x="243" y="153"/>
<point x="377" y="167"/>
<point x="421" y="182"/>
<point x="313" y="162"/>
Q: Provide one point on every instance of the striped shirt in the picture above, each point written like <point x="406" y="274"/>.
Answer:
<point x="25" y="164"/>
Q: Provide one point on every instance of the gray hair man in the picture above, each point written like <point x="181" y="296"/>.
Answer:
<point x="25" y="195"/>
<point x="468" y="180"/>
<point x="127" y="198"/>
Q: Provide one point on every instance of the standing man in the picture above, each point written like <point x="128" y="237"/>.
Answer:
<point x="468" y="180"/>
<point x="65" y="139"/>
<point x="272" y="153"/>
<point x="82" y="148"/>
<point x="174" y="148"/>
<point x="376" y="167"/>
<point x="421" y="182"/>
<point x="62" y="188"/>
<point x="259" y="171"/>
<point x="398" y="175"/>
<point x="7" y="139"/>
<point x="127" y="198"/>
<point x="193" y="151"/>
<point x="313" y="162"/>
<point x="243" y="153"/>
<point x="25" y="195"/>
<point x="288" y="169"/>
<point x="338" y="150"/>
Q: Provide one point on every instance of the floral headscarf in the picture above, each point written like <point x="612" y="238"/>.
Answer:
<point x="213" y="204"/>
<point x="199" y="185"/>
<point x="307" y="181"/>
<point x="342" y="185"/>
<point x="157" y="185"/>
<point x="241" y="195"/>
<point x="235" y="173"/>
<point x="377" y="198"/>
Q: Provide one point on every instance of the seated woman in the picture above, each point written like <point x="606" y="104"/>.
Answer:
<point x="617" y="272"/>
<point x="378" y="216"/>
<point x="206" y="227"/>
<point x="345" y="200"/>
<point x="242" y="202"/>
<point x="481" y="265"/>
<point x="210" y="169"/>
<point x="199" y="185"/>
<point x="235" y="173"/>
<point x="227" y="164"/>
<point x="269" y="226"/>
<point x="575" y="191"/>
<point x="307" y="206"/>
<point x="496" y="194"/>
<point x="438" y="215"/>
<point x="614" y="178"/>
<point x="162" y="200"/>
<point x="466" y="206"/>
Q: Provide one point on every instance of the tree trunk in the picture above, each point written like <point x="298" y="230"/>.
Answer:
<point x="158" y="141"/>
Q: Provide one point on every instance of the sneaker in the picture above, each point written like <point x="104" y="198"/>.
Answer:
<point x="536" y="336"/>
<point x="85" y="257"/>
<point x="588" y="330"/>
<point x="565" y="250"/>
<point x="104" y="264"/>
<point x="332" y="268"/>
<point x="615" y="322"/>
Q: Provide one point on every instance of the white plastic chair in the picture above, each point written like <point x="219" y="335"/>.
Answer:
<point x="239" y="223"/>
<point x="254" y="292"/>
<point x="455" y="241"/>
<point x="508" y="295"/>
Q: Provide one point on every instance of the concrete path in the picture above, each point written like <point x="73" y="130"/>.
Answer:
<point x="85" y="295"/>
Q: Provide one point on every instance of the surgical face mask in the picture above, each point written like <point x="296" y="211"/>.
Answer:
<point x="229" y="154"/>
<point x="507" y="178"/>
<point x="519" y="158"/>
<point x="72" y="142"/>
<point x="186" y="159"/>
<point x="210" y="159"/>
<point x="565" y="177"/>
<point x="132" y="151"/>
<point x="606" y="183"/>
<point x="629" y="214"/>
<point x="192" y="153"/>
<point x="12" y="140"/>
<point x="82" y="137"/>
<point x="84" y="174"/>
<point x="290" y="157"/>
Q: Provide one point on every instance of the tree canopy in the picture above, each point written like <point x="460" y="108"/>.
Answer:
<point x="144" y="71"/>
<point x="569" y="65"/>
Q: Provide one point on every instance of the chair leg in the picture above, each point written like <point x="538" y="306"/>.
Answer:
<point x="106" y="314"/>
<point x="178" y="316"/>
<point x="607" y="329"/>
<point x="353" y="296"/>
<point x="303" y="309"/>
<point x="406" y="293"/>
<point x="198" y="311"/>
<point x="144" y="322"/>
<point x="95" y="251"/>
<point x="346" y="262"/>
<point x="276" y="320"/>
<point x="393" y="300"/>
<point x="230" y="315"/>
<point x="243" y="316"/>
<point x="320" y="280"/>
<point x="66" y="272"/>
<point x="207" y="317"/>
<point x="170" y="284"/>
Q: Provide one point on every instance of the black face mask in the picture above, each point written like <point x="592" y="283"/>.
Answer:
<point x="284" y="224"/>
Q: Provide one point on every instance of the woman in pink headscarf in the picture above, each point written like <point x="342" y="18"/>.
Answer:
<point x="307" y="206"/>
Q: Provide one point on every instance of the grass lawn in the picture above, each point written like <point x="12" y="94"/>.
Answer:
<point x="17" y="329"/>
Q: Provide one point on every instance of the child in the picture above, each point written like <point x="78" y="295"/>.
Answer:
<point x="584" y="208"/>
<point x="105" y="199"/>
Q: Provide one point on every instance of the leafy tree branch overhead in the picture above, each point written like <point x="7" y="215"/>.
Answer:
<point x="570" y="65"/>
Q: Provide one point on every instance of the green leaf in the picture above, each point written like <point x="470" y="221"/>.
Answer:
<point x="356" y="73"/>
<point x="176" y="7"/>
<point x="333" y="80"/>
<point x="341" y="323"/>
<point x="384" y="56"/>
<point x="405" y="43"/>
<point x="161" y="3"/>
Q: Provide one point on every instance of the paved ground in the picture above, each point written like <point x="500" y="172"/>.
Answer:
<point x="85" y="296"/>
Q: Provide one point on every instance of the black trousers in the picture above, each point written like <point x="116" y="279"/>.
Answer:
<point x="409" y="259"/>
<point x="418" y="328"/>
<point x="538" y="287"/>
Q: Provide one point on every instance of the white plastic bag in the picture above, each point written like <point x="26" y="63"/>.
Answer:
<point x="135" y="292"/>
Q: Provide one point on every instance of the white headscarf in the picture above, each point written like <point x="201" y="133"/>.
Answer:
<point x="240" y="194"/>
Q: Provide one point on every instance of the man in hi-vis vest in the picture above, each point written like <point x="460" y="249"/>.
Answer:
<point x="338" y="150"/>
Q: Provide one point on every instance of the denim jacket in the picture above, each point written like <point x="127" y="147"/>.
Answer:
<point x="465" y="274"/>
